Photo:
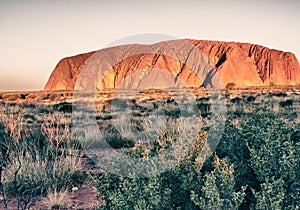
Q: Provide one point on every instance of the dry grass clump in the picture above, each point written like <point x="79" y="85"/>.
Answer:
<point x="34" y="163"/>
<point x="58" y="200"/>
<point x="56" y="127"/>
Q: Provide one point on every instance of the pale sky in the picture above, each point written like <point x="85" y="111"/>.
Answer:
<point x="36" y="34"/>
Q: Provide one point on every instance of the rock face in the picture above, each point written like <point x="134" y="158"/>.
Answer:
<point x="176" y="63"/>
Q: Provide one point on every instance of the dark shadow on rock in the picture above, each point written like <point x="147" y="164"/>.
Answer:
<point x="221" y="60"/>
<point x="208" y="78"/>
<point x="211" y="73"/>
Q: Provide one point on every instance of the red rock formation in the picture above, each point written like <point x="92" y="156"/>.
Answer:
<point x="65" y="73"/>
<point x="135" y="66"/>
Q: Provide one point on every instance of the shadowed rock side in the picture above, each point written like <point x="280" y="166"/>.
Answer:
<point x="230" y="62"/>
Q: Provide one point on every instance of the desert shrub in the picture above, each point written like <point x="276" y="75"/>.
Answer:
<point x="230" y="85"/>
<point x="218" y="190"/>
<point x="256" y="166"/>
<point x="53" y="96"/>
<point x="182" y="181"/>
<point x="271" y="195"/>
<point x="117" y="104"/>
<point x="179" y="188"/>
<point x="115" y="140"/>
<point x="137" y="193"/>
<point x="169" y="189"/>
<point x="251" y="98"/>
<point x="237" y="106"/>
<point x="274" y="159"/>
<point x="63" y="107"/>
<point x="281" y="94"/>
<point x="11" y="97"/>
<point x="104" y="117"/>
<point x="286" y="103"/>
<point x="204" y="109"/>
<point x="237" y="100"/>
<point x="233" y="147"/>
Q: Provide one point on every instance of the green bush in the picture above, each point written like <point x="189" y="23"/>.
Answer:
<point x="256" y="166"/>
<point x="286" y="103"/>
<point x="274" y="158"/>
<point x="218" y="190"/>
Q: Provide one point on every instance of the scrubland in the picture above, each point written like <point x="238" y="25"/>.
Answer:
<point x="54" y="151"/>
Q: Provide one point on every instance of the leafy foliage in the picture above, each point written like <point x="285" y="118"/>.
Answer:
<point x="256" y="166"/>
<point x="218" y="190"/>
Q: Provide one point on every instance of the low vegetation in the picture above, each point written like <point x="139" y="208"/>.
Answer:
<point x="256" y="164"/>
